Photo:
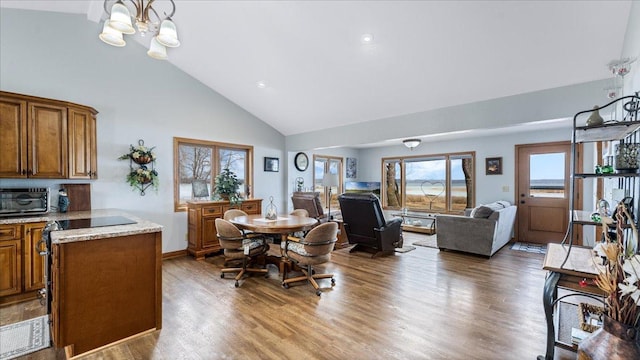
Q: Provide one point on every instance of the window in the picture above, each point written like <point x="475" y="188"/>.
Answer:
<point x="333" y="165"/>
<point x="546" y="172"/>
<point x="198" y="161"/>
<point x="439" y="183"/>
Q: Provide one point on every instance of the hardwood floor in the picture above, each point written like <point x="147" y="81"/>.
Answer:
<point x="423" y="304"/>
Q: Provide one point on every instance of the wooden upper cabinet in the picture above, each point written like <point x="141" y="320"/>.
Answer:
<point x="82" y="144"/>
<point x="46" y="139"/>
<point x="13" y="137"/>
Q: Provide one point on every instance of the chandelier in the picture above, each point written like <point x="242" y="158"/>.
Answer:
<point x="146" y="20"/>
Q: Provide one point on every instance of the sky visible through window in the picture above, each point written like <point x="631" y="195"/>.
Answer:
<point x="547" y="166"/>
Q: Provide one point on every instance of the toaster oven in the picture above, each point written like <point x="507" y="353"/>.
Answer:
<point x="23" y="201"/>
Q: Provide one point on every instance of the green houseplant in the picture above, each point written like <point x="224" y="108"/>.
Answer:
<point x="227" y="185"/>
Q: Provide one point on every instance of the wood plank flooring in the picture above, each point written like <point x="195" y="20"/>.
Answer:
<point x="423" y="304"/>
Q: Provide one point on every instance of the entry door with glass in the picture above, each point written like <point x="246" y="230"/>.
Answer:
<point x="542" y="181"/>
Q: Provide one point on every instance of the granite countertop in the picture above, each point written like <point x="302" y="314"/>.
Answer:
<point x="65" y="236"/>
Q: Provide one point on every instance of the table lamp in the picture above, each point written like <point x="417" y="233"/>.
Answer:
<point x="329" y="180"/>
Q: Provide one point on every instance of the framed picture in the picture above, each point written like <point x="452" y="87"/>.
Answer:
<point x="352" y="168"/>
<point x="271" y="164"/>
<point x="494" y="166"/>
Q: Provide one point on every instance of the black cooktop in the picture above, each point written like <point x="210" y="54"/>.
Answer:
<point x="95" y="222"/>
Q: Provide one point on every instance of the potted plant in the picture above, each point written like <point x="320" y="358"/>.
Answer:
<point x="227" y="185"/>
<point x="138" y="178"/>
<point x="140" y="154"/>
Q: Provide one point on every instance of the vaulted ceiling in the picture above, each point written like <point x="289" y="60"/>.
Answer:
<point x="317" y="72"/>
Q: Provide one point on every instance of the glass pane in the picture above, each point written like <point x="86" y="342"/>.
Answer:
<point x="318" y="174"/>
<point x="546" y="175"/>
<point x="335" y="167"/>
<point x="195" y="164"/>
<point x="426" y="184"/>
<point x="235" y="160"/>
<point x="461" y="183"/>
<point x="392" y="178"/>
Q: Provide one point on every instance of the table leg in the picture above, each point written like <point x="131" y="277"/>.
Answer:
<point x="549" y="295"/>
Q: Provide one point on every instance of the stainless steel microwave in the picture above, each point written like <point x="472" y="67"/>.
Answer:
<point x="24" y="201"/>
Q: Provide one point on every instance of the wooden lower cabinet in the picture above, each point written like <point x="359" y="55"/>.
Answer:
<point x="105" y="290"/>
<point x="10" y="260"/>
<point x="21" y="266"/>
<point x="34" y="263"/>
<point x="201" y="217"/>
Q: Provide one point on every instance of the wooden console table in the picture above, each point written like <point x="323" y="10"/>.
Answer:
<point x="580" y="265"/>
<point x="202" y="234"/>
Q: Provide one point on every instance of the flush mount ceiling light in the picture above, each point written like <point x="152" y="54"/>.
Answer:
<point x="261" y="84"/>
<point x="411" y="143"/>
<point x="120" y="22"/>
<point x="366" y="38"/>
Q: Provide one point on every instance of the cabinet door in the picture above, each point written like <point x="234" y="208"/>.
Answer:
<point x="81" y="143"/>
<point x="209" y="232"/>
<point x="10" y="263"/>
<point x="47" y="141"/>
<point x="13" y="138"/>
<point x="33" y="261"/>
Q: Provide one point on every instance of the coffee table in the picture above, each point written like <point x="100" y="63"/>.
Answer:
<point x="417" y="222"/>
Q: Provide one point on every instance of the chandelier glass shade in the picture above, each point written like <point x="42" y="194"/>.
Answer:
<point x="146" y="18"/>
<point x="411" y="143"/>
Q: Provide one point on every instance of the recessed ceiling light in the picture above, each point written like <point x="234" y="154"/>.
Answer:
<point x="261" y="84"/>
<point x="366" y="38"/>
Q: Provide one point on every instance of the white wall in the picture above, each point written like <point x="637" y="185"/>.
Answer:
<point x="631" y="49"/>
<point x="59" y="56"/>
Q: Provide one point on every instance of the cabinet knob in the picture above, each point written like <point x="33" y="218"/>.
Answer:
<point x="521" y="201"/>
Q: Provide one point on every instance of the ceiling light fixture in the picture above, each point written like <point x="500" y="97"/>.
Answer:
<point x="366" y="38"/>
<point x="261" y="84"/>
<point x="120" y="22"/>
<point x="411" y="143"/>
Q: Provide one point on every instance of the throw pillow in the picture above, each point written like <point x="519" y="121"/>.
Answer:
<point x="481" y="212"/>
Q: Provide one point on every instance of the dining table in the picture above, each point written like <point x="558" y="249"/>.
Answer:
<point x="282" y="225"/>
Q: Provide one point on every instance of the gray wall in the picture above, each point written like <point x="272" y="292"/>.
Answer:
<point x="60" y="56"/>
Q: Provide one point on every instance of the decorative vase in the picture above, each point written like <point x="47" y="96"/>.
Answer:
<point x="271" y="211"/>
<point x="613" y="341"/>
<point x="627" y="157"/>
<point x="595" y="119"/>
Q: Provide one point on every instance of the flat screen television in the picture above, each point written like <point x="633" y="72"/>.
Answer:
<point x="362" y="187"/>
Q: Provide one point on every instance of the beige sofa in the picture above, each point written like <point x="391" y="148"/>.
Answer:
<point x="483" y="230"/>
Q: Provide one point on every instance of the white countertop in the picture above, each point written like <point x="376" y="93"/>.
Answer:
<point x="64" y="236"/>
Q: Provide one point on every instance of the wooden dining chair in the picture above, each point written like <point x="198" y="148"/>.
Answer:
<point x="233" y="213"/>
<point x="238" y="246"/>
<point x="314" y="249"/>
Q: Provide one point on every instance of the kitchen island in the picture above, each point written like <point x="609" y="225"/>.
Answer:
<point x="106" y="281"/>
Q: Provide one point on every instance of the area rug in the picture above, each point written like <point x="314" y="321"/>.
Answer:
<point x="529" y="247"/>
<point x="429" y="241"/>
<point x="24" y="337"/>
<point x="405" y="249"/>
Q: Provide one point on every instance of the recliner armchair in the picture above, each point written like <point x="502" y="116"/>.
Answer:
<point x="366" y="226"/>
<point x="309" y="201"/>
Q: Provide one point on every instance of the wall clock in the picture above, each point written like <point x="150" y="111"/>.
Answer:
<point x="301" y="161"/>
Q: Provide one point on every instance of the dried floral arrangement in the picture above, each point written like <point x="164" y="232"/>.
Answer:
<point x="619" y="277"/>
